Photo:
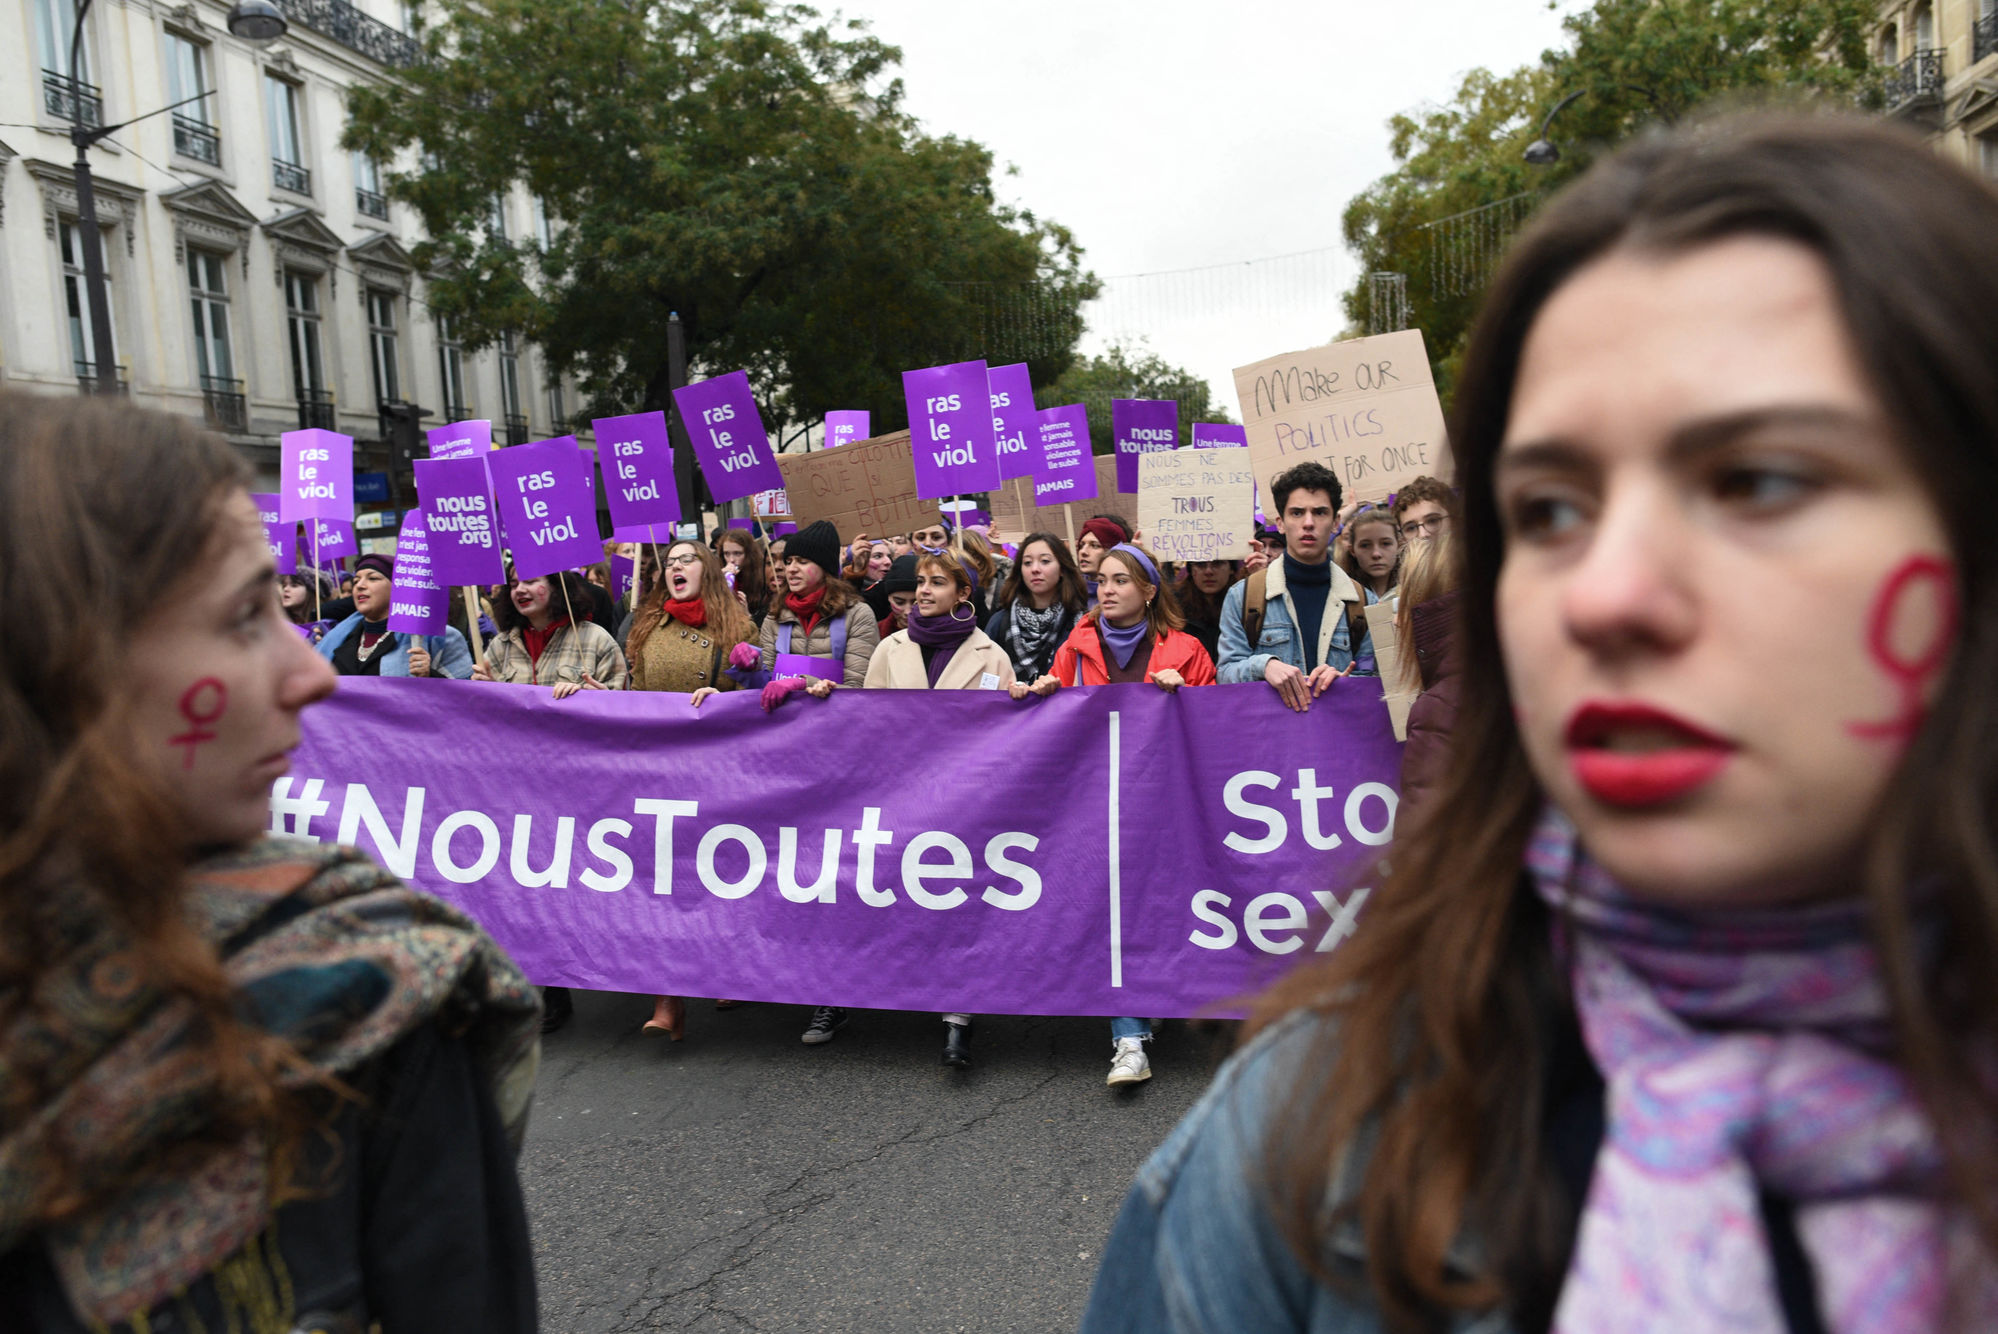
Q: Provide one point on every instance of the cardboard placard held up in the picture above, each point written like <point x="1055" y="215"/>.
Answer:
<point x="866" y="487"/>
<point x="1194" y="504"/>
<point x="1014" y="513"/>
<point x="1397" y="689"/>
<point x="1365" y="408"/>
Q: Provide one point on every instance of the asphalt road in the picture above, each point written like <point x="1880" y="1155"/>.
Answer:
<point x="741" y="1180"/>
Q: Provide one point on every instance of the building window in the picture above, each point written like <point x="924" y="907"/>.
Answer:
<point x="558" y="413"/>
<point x="308" y="366"/>
<point x="544" y="230"/>
<point x="1987" y="154"/>
<point x="381" y="345"/>
<point x="451" y="371"/>
<point x="1890" y="46"/>
<point x="194" y="121"/>
<point x="368" y="196"/>
<point x="76" y="299"/>
<point x="496" y="218"/>
<point x="76" y="100"/>
<point x="1925" y="29"/>
<point x="288" y="169"/>
<point x="207" y="282"/>
<point x="509" y="363"/>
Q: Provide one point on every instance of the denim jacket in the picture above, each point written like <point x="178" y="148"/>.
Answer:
<point x="449" y="656"/>
<point x="1195" y="1250"/>
<point x="1243" y="661"/>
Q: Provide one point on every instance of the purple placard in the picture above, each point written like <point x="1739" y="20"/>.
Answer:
<point x="651" y="877"/>
<point x="1219" y="435"/>
<point x="546" y="512"/>
<point x="1067" y="469"/>
<point x="327" y="541"/>
<point x="730" y="443"/>
<point x="316" y="476"/>
<point x="621" y="568"/>
<point x="797" y="664"/>
<point x="1141" y="426"/>
<point x="844" y="427"/>
<point x="464" y="529"/>
<point x="782" y="528"/>
<point x="637" y="459"/>
<point x="1014" y="428"/>
<point x="461" y="440"/>
<point x="950" y="430"/>
<point x="417" y="603"/>
<point x="642" y="532"/>
<point x="279" y="536"/>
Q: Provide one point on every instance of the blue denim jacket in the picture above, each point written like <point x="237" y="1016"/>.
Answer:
<point x="1195" y="1250"/>
<point x="1242" y="661"/>
<point x="449" y="655"/>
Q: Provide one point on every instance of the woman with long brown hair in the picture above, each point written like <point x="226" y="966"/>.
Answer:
<point x="247" y="1082"/>
<point x="747" y="571"/>
<point x="1675" y="1010"/>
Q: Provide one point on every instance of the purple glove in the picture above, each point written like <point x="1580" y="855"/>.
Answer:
<point x="780" y="690"/>
<point x="745" y="656"/>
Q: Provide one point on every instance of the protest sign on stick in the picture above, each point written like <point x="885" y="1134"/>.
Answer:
<point x="1219" y="435"/>
<point x="1140" y="426"/>
<point x="417" y="602"/>
<point x="1015" y="514"/>
<point x="332" y="541"/>
<point x="866" y="487"/>
<point x="463" y="528"/>
<point x="637" y="459"/>
<point x="843" y="427"/>
<point x="950" y="428"/>
<point x="1065" y="470"/>
<point x="730" y="443"/>
<point x="1193" y="504"/>
<point x="279" y="536"/>
<point x="461" y="440"/>
<point x="315" y="476"/>
<point x="1366" y="408"/>
<point x="1015" y="423"/>
<point x="546" y="512"/>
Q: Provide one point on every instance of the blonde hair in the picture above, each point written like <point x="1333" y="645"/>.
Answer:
<point x="1428" y="571"/>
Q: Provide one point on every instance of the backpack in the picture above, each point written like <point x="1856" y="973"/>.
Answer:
<point x="1256" y="597"/>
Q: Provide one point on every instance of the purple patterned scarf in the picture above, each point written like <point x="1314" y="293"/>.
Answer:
<point x="1747" y="1049"/>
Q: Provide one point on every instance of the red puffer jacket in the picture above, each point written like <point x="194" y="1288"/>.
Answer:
<point x="1084" y="649"/>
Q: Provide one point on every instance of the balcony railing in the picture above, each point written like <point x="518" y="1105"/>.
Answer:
<point x="1918" y="79"/>
<point x="315" y="409"/>
<point x="227" y="407"/>
<point x="68" y="99"/>
<point x="193" y="139"/>
<point x="516" y="430"/>
<point x="1984" y="36"/>
<point x="355" y="31"/>
<point x="458" y="412"/>
<point x="290" y="176"/>
<point x="87" y="382"/>
<point x="373" y="204"/>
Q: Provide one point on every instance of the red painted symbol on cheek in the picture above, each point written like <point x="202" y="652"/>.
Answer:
<point x="203" y="705"/>
<point x="1910" y="674"/>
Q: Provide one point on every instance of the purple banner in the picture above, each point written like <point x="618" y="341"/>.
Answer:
<point x="1178" y="866"/>
<point x="1141" y="426"/>
<point x="316" y="475"/>
<point x="637" y="459"/>
<point x="461" y="440"/>
<point x="950" y="430"/>
<point x="845" y="427"/>
<point x="279" y="536"/>
<point x="547" y="512"/>
<point x="464" y="531"/>
<point x="1014" y="420"/>
<point x="1067" y="469"/>
<point x="1219" y="435"/>
<point x="730" y="443"/>
<point x="417" y="603"/>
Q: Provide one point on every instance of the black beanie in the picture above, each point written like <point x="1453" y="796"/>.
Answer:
<point x="381" y="565"/>
<point x="817" y="543"/>
<point x="901" y="576"/>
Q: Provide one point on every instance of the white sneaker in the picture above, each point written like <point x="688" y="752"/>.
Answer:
<point x="1129" y="1065"/>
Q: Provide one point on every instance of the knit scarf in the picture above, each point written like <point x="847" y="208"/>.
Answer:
<point x="693" y="613"/>
<point x="1031" y="636"/>
<point x="805" y="606"/>
<point x="1745" y="1050"/>
<point x="325" y="949"/>
<point x="945" y="634"/>
<point x="1123" y="641"/>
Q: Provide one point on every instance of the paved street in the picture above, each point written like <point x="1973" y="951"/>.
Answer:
<point x="744" y="1181"/>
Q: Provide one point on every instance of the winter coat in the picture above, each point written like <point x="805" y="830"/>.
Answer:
<point x="862" y="637"/>
<point x="1434" y="713"/>
<point x="978" y="664"/>
<point x="682" y="658"/>
<point x="1079" y="661"/>
<point x="448" y="654"/>
<point x="1242" y="661"/>
<point x="572" y="652"/>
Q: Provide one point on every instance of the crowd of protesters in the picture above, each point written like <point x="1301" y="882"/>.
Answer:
<point x="1672" y="1008"/>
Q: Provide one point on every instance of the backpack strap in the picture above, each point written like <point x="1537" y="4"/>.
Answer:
<point x="1255" y="597"/>
<point x="839" y="641"/>
<point x="784" y="636"/>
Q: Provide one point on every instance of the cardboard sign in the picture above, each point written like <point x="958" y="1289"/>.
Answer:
<point x="950" y="420"/>
<point x="1399" y="691"/>
<point x="548" y="515"/>
<point x="1194" y="504"/>
<point x="279" y="536"/>
<point x="1141" y="426"/>
<point x="461" y="440"/>
<point x="1015" y="423"/>
<point x="1014" y="513"/>
<point x="637" y="460"/>
<point x="417" y="602"/>
<point x="843" y="427"/>
<point x="865" y="487"/>
<point x="1366" y="409"/>
<point x="316" y="476"/>
<point x="730" y="443"/>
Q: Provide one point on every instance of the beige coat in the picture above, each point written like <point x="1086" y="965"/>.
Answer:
<point x="898" y="665"/>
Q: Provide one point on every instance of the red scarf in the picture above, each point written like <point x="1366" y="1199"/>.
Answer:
<point x="692" y="613"/>
<point x="806" y="608"/>
<point x="537" y="640"/>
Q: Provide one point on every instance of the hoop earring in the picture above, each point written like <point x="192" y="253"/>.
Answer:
<point x="970" y="613"/>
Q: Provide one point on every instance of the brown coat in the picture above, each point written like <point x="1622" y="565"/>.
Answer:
<point x="682" y="659"/>
<point x="1434" y="713"/>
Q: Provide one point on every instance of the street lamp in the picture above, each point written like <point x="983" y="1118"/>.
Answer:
<point x="253" y="21"/>
<point x="1542" y="152"/>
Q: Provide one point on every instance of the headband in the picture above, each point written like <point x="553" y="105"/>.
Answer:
<point x="1151" y="570"/>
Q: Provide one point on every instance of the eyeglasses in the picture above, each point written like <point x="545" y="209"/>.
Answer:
<point x="1428" y="527"/>
<point x="682" y="562"/>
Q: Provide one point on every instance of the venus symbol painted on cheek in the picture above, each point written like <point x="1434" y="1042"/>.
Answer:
<point x="202" y="705"/>
<point x="1920" y="583"/>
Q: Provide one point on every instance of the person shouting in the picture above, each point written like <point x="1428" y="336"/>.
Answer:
<point x="363" y="645"/>
<point x="1039" y="604"/>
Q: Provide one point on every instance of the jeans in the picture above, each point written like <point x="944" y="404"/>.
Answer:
<point x="1140" y="1029"/>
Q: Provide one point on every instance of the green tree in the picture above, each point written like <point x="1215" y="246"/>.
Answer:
<point x="735" y="161"/>
<point x="1462" y="184"/>
<point x="1124" y="372"/>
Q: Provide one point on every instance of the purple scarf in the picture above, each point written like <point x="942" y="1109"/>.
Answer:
<point x="1122" y="643"/>
<point x="943" y="633"/>
<point x="1746" y="1049"/>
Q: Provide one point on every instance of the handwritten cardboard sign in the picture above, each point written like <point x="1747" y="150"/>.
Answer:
<point x="1194" y="504"/>
<point x="867" y="487"/>
<point x="1365" y="408"/>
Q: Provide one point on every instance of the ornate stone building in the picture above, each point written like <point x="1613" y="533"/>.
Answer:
<point x="1944" y="76"/>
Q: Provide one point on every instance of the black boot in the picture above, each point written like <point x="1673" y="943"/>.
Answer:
<point x="957" y="1045"/>
<point x="556" y="1007"/>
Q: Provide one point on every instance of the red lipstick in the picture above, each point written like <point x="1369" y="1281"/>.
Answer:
<point x="1632" y="755"/>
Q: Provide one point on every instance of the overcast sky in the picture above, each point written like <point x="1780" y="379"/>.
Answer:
<point x="1173" y="135"/>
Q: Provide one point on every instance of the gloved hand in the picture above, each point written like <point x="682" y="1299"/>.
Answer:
<point x="780" y="690"/>
<point x="745" y="656"/>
